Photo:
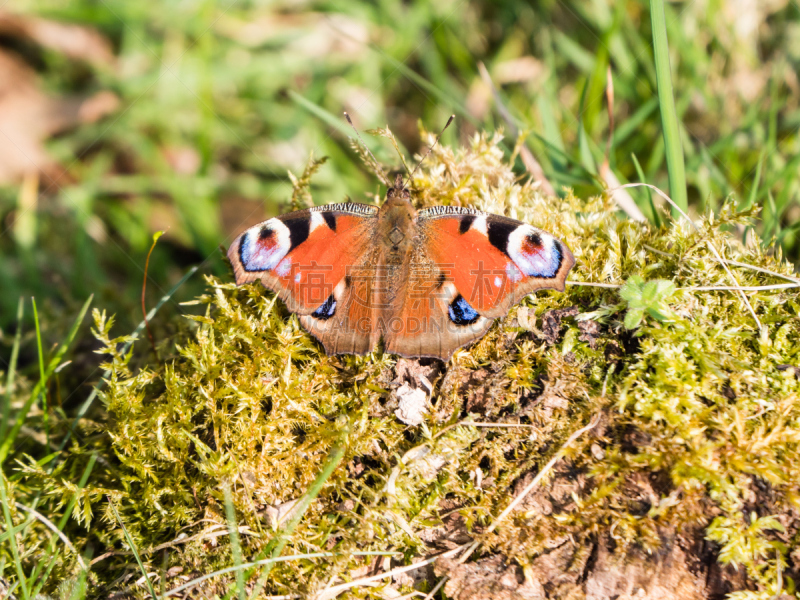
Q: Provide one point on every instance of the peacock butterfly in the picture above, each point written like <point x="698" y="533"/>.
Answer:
<point x="426" y="282"/>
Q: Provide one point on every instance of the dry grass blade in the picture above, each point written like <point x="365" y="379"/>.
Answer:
<point x="52" y="527"/>
<point x="333" y="592"/>
<point x="78" y="42"/>
<point x="623" y="199"/>
<point x="612" y="286"/>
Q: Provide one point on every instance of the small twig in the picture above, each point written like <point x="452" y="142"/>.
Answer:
<point x="746" y="288"/>
<point x="612" y="286"/>
<point x="336" y="590"/>
<point x="530" y="162"/>
<point x="52" y="527"/>
<point x="267" y="561"/>
<point x="710" y="245"/>
<point x="736" y="263"/>
<point x="200" y="536"/>
<point x="760" y="270"/>
<point x="439" y="585"/>
<point x="707" y="288"/>
<point x="657" y="251"/>
<point x="468" y="423"/>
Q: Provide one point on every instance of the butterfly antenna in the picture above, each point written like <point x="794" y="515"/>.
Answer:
<point x="436" y="141"/>
<point x="358" y="135"/>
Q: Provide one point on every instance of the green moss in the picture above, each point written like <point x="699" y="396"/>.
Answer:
<point x="701" y="420"/>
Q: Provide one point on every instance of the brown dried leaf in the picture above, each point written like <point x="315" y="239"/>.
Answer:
<point x="77" y="42"/>
<point x="28" y="116"/>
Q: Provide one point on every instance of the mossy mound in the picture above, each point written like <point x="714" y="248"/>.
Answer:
<point x="693" y="464"/>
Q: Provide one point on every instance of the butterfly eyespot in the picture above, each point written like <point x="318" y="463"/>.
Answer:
<point x="327" y="310"/>
<point x="533" y="243"/>
<point x="263" y="247"/>
<point x="536" y="254"/>
<point x="461" y="313"/>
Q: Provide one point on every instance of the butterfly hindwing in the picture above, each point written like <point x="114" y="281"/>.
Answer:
<point x="347" y="323"/>
<point x="495" y="261"/>
<point x="429" y="317"/>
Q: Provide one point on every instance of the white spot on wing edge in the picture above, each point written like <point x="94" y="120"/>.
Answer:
<point x="479" y="224"/>
<point x="513" y="273"/>
<point x="298" y="277"/>
<point x="497" y="282"/>
<point x="316" y="220"/>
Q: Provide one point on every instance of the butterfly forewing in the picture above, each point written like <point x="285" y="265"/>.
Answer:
<point x="302" y="256"/>
<point x="497" y="261"/>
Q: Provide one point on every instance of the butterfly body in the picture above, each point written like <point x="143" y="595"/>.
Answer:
<point x="426" y="282"/>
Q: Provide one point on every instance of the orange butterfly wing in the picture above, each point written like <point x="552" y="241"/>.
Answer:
<point x="302" y="256"/>
<point x="493" y="261"/>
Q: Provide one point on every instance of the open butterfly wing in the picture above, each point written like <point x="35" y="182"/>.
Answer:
<point x="304" y="255"/>
<point x="493" y="261"/>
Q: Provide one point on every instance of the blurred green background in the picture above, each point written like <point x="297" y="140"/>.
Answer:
<point x="119" y="119"/>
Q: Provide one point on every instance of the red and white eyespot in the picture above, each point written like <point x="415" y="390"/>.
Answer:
<point x="262" y="247"/>
<point x="536" y="253"/>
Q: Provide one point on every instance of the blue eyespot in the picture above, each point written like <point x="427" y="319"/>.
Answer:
<point x="327" y="310"/>
<point x="461" y="313"/>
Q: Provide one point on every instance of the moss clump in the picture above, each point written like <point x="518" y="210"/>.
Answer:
<point x="698" y="438"/>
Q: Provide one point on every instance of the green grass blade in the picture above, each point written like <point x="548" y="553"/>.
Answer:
<point x="9" y="527"/>
<point x="12" y="369"/>
<point x="51" y="367"/>
<point x="634" y="123"/>
<point x="669" y="117"/>
<point x="449" y="101"/>
<point x="41" y="372"/>
<point x="328" y="117"/>
<point x="133" y="549"/>
<point x="79" y="587"/>
<point x="233" y="532"/>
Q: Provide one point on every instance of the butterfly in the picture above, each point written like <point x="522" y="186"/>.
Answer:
<point x="426" y="281"/>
